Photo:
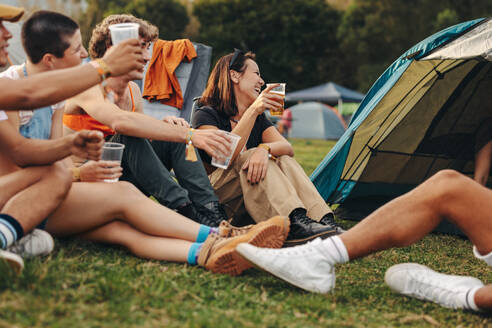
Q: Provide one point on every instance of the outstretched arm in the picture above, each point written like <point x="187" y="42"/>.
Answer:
<point x="140" y="125"/>
<point x="51" y="87"/>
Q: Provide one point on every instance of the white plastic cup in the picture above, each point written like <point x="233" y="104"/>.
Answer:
<point x="123" y="31"/>
<point x="281" y="91"/>
<point x="223" y="162"/>
<point x="112" y="151"/>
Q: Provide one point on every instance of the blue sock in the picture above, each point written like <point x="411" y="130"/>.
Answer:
<point x="10" y="230"/>
<point x="203" y="233"/>
<point x="194" y="252"/>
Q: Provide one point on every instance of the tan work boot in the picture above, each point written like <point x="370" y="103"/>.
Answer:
<point x="218" y="254"/>
<point x="228" y="230"/>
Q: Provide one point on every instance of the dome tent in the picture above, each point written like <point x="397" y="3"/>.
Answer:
<point x="313" y="120"/>
<point x="418" y="118"/>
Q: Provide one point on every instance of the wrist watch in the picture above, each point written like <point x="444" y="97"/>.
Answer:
<point x="267" y="147"/>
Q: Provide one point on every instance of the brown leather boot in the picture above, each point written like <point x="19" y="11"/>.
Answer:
<point x="228" y="230"/>
<point x="218" y="254"/>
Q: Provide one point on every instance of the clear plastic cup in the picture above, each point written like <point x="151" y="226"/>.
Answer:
<point x="223" y="162"/>
<point x="123" y="31"/>
<point x="112" y="151"/>
<point x="281" y="91"/>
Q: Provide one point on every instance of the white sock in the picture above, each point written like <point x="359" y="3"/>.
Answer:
<point x="336" y="249"/>
<point x="470" y="299"/>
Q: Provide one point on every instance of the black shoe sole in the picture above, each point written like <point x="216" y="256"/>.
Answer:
<point x="322" y="235"/>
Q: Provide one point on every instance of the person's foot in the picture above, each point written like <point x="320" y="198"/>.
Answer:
<point x="210" y="214"/>
<point x="305" y="266"/>
<point x="218" y="254"/>
<point x="13" y="260"/>
<point x="304" y="229"/>
<point x="228" y="230"/>
<point x="419" y="281"/>
<point x="329" y="220"/>
<point x="37" y="242"/>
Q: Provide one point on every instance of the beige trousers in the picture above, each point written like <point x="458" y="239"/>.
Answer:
<point x="285" y="188"/>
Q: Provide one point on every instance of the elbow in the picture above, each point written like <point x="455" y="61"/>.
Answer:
<point x="121" y="124"/>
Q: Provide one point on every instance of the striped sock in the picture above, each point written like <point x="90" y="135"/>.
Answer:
<point x="194" y="252"/>
<point x="10" y="230"/>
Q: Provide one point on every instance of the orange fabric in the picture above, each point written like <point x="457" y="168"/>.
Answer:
<point x="79" y="122"/>
<point x="160" y="81"/>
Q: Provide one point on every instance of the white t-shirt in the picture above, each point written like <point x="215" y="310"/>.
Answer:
<point x="24" y="115"/>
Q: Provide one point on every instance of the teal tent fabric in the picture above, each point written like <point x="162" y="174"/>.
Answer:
<point x="418" y="104"/>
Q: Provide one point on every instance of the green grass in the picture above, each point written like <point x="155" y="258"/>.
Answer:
<point x="87" y="285"/>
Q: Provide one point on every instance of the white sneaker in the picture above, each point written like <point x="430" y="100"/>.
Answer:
<point x="303" y="266"/>
<point x="419" y="281"/>
<point x="13" y="260"/>
<point x="37" y="242"/>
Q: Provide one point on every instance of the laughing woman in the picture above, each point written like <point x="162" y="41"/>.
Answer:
<point x="264" y="178"/>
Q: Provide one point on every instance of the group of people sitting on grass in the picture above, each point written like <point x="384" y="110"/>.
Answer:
<point x="60" y="112"/>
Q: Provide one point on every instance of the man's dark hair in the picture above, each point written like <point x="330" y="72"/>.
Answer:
<point x="47" y="32"/>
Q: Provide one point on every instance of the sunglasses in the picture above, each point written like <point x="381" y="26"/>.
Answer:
<point x="235" y="56"/>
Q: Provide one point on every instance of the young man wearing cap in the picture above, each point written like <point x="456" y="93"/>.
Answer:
<point x="44" y="186"/>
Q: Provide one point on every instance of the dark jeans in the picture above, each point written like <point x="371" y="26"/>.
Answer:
<point x="146" y="164"/>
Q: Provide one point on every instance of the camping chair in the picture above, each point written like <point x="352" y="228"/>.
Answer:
<point x="192" y="78"/>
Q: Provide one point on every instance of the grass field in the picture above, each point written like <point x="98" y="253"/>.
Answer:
<point x="86" y="285"/>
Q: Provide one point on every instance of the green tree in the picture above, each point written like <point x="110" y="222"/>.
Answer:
<point x="295" y="41"/>
<point x="373" y="33"/>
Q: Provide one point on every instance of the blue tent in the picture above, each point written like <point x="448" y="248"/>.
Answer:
<point x="419" y="117"/>
<point x="313" y="120"/>
<point x="329" y="93"/>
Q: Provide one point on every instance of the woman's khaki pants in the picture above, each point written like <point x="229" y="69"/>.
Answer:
<point x="285" y="188"/>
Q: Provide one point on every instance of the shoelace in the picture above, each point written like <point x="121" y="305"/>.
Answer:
<point x="329" y="220"/>
<point x="433" y="288"/>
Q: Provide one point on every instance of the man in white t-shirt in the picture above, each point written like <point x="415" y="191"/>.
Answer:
<point x="44" y="185"/>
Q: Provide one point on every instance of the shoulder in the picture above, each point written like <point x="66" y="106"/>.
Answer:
<point x="205" y="115"/>
<point x="135" y="88"/>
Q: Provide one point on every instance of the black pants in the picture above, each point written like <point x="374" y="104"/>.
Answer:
<point x="147" y="165"/>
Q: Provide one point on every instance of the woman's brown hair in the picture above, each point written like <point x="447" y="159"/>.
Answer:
<point x="101" y="36"/>
<point x="219" y="93"/>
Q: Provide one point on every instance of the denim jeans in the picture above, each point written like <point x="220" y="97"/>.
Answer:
<point x="147" y="164"/>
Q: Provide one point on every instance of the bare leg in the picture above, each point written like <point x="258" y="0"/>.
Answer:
<point x="139" y="243"/>
<point x="408" y="218"/>
<point x="30" y="194"/>
<point x="92" y="205"/>
<point x="483" y="298"/>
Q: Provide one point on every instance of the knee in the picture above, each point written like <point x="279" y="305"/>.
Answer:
<point x="125" y="188"/>
<point x="448" y="184"/>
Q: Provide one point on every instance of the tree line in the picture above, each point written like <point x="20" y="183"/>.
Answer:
<point x="301" y="42"/>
